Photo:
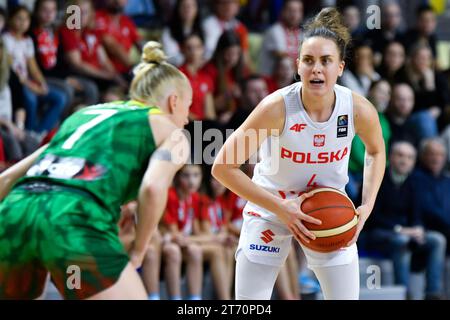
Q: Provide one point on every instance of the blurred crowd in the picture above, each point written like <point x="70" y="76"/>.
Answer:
<point x="56" y="59"/>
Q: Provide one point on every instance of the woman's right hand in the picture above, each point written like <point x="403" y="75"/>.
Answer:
<point x="292" y="216"/>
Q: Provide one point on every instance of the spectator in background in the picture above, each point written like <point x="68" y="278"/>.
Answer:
<point x="38" y="97"/>
<point x="180" y="223"/>
<point x="118" y="35"/>
<point x="361" y="73"/>
<point x="202" y="106"/>
<point x="379" y="95"/>
<point x="184" y="22"/>
<point x="283" y="74"/>
<point x="430" y="86"/>
<point x="150" y="269"/>
<point x="352" y="19"/>
<point x="424" y="31"/>
<point x="84" y="52"/>
<point x="2" y="19"/>
<point x="283" y="38"/>
<point x="397" y="229"/>
<point x="433" y="187"/>
<point x="254" y="89"/>
<point x="49" y="56"/>
<point x="404" y="124"/>
<point x="391" y="20"/>
<point x="392" y="66"/>
<point x="227" y="69"/>
<point x="224" y="19"/>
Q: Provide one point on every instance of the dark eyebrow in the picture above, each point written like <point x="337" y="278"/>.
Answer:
<point x="309" y="56"/>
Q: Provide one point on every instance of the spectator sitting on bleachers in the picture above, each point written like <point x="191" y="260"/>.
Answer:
<point x="379" y="95"/>
<point x="150" y="269"/>
<point x="424" y="31"/>
<point x="396" y="225"/>
<point x="49" y="56"/>
<point x="180" y="223"/>
<point x="184" y="22"/>
<point x="352" y="19"/>
<point x="224" y="19"/>
<point x="282" y="38"/>
<point x="38" y="97"/>
<point x="391" y="20"/>
<point x="433" y="187"/>
<point x="430" y="86"/>
<point x="404" y="124"/>
<point x="227" y="69"/>
<point x="361" y="73"/>
<point x="392" y="66"/>
<point x="118" y="35"/>
<point x="202" y="106"/>
<point x="283" y="74"/>
<point x="254" y="90"/>
<point x="84" y="52"/>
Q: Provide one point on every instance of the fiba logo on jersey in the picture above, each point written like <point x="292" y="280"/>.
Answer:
<point x="319" y="140"/>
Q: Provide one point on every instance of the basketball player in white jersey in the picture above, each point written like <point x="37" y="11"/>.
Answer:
<point x="308" y="127"/>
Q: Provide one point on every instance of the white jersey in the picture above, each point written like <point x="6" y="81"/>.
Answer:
<point x="307" y="153"/>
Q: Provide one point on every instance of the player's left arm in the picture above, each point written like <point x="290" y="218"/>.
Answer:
<point x="9" y="177"/>
<point x="367" y="127"/>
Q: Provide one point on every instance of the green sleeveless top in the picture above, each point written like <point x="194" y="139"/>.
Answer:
<point x="103" y="150"/>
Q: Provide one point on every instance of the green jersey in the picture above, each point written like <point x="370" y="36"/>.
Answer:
<point x="103" y="149"/>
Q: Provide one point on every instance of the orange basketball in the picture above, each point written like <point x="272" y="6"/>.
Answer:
<point x="338" y="216"/>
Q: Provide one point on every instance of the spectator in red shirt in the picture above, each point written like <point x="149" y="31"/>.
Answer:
<point x="49" y="56"/>
<point x="180" y="227"/>
<point x="224" y="19"/>
<point x="227" y="68"/>
<point x="118" y="34"/>
<point x="185" y="20"/>
<point x="202" y="106"/>
<point x="84" y="52"/>
<point x="283" y="74"/>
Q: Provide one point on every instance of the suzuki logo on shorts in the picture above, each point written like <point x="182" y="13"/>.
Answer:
<point x="267" y="236"/>
<point x="298" y="127"/>
<point x="319" y="140"/>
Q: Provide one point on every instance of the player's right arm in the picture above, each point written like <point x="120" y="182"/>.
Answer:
<point x="9" y="177"/>
<point x="166" y="160"/>
<point x="266" y="120"/>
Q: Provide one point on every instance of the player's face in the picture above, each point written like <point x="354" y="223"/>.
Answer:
<point x="47" y="12"/>
<point x="319" y="65"/>
<point x="190" y="178"/>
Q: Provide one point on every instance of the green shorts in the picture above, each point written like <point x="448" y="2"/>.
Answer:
<point x="61" y="231"/>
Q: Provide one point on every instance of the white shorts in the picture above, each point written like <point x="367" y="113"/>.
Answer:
<point x="269" y="242"/>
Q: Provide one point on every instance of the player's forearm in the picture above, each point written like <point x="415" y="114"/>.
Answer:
<point x="9" y="177"/>
<point x="374" y="165"/>
<point x="239" y="183"/>
<point x="151" y="204"/>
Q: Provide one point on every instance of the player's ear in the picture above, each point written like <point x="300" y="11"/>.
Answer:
<point x="341" y="67"/>
<point x="172" y="101"/>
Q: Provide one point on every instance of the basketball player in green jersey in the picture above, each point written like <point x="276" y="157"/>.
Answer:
<point x="62" y="203"/>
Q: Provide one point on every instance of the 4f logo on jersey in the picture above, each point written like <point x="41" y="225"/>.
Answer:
<point x="342" y="126"/>
<point x="267" y="236"/>
<point x="298" y="127"/>
<point x="319" y="140"/>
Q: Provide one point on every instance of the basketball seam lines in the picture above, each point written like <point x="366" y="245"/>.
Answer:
<point x="329" y="207"/>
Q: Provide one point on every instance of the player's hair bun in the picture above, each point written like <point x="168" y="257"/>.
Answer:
<point x="153" y="53"/>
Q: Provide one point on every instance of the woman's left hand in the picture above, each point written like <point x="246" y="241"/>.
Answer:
<point x="363" y="213"/>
